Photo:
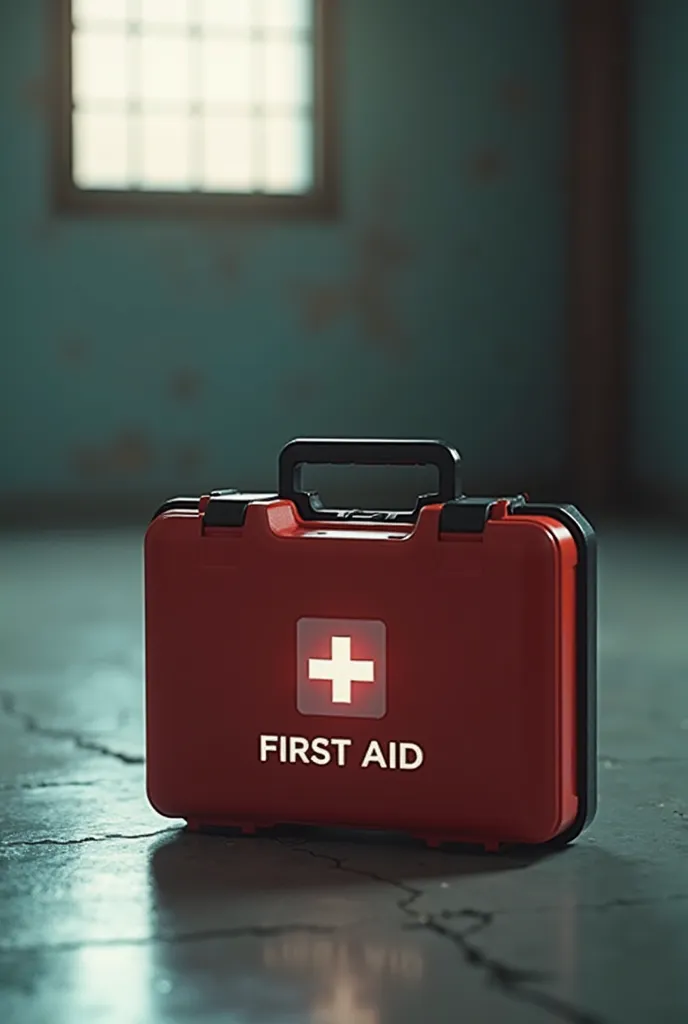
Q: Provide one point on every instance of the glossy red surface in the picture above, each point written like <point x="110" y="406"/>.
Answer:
<point x="480" y="673"/>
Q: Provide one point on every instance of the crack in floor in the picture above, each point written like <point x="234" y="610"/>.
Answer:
<point x="88" y="839"/>
<point x="611" y="762"/>
<point x="7" y="787"/>
<point x="618" y="903"/>
<point x="256" y="931"/>
<point x="512" y="981"/>
<point x="8" y="705"/>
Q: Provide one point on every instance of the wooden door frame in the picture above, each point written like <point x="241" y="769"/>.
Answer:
<point x="599" y="345"/>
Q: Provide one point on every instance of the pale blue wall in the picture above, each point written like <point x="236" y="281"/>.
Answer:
<point x="659" y="298"/>
<point x="454" y="134"/>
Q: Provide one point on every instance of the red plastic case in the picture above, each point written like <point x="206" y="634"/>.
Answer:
<point x="431" y="672"/>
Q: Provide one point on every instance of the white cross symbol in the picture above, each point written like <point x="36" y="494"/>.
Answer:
<point x="341" y="669"/>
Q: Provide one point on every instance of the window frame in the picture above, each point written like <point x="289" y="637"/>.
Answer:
<point x="320" y="202"/>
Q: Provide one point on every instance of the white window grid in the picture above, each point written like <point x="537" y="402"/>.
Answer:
<point x="211" y="96"/>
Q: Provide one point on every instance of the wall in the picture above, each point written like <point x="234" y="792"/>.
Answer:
<point x="157" y="358"/>
<point x="659" y="297"/>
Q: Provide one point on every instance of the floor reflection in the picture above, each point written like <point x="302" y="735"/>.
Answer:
<point x="283" y="930"/>
<point x="400" y="960"/>
<point x="344" y="1006"/>
<point x="355" y="971"/>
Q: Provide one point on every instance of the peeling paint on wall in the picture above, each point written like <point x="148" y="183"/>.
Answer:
<point x="226" y="250"/>
<point x="368" y="292"/>
<point x="73" y="351"/>
<point x="324" y="304"/>
<point x="128" y="454"/>
<point x="186" y="385"/>
<point x="382" y="254"/>
<point x="282" y="309"/>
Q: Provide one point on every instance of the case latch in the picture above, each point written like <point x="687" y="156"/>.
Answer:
<point x="469" y="515"/>
<point x="228" y="508"/>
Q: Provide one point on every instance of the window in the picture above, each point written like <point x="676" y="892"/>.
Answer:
<point x="192" y="105"/>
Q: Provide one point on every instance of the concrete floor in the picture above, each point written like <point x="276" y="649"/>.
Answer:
<point x="110" y="913"/>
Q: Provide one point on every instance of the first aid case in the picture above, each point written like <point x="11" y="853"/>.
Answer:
<point x="430" y="671"/>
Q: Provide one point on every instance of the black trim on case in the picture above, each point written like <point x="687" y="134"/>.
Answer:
<point x="469" y="515"/>
<point x="228" y="508"/>
<point x="185" y="504"/>
<point x="176" y="505"/>
<point x="586" y="658"/>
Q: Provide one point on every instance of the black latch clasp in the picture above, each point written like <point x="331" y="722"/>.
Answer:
<point x="228" y="508"/>
<point x="469" y="515"/>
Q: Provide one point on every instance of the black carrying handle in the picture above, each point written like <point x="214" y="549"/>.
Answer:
<point x="365" y="452"/>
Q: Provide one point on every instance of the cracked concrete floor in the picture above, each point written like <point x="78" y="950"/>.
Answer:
<point x="110" y="913"/>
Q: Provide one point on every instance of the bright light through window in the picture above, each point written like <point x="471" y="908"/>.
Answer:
<point x="193" y="95"/>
